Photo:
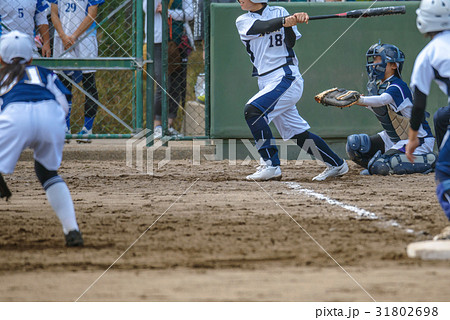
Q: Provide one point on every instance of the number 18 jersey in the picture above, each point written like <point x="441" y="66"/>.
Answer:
<point x="268" y="51"/>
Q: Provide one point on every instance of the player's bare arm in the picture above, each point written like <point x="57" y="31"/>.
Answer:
<point x="58" y="27"/>
<point x="87" y="22"/>
<point x="45" y="33"/>
<point x="417" y="116"/>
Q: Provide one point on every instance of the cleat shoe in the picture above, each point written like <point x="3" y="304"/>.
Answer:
<point x="365" y="172"/>
<point x="174" y="133"/>
<point x="158" y="133"/>
<point x="84" y="140"/>
<point x="444" y="235"/>
<point x="266" y="172"/>
<point x="74" y="239"/>
<point x="332" y="171"/>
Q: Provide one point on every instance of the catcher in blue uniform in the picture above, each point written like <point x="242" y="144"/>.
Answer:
<point x="391" y="101"/>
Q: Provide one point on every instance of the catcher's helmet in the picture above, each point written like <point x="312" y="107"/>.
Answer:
<point x="388" y="53"/>
<point x="433" y="15"/>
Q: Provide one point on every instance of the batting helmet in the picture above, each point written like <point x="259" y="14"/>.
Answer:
<point x="433" y="15"/>
<point x="388" y="53"/>
<point x="16" y="44"/>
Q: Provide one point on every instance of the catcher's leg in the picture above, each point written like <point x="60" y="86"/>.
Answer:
<point x="396" y="162"/>
<point x="4" y="190"/>
<point x="361" y="148"/>
<point x="262" y="134"/>
<point x="58" y="195"/>
<point x="317" y="148"/>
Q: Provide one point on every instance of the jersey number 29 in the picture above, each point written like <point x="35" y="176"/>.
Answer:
<point x="278" y="40"/>
<point x="71" y="7"/>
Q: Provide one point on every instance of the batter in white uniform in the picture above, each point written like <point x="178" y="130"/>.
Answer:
<point x="269" y="34"/>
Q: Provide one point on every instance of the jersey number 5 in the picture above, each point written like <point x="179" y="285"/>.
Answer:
<point x="278" y="40"/>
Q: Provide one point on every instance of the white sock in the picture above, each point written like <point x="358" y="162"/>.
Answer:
<point x="59" y="197"/>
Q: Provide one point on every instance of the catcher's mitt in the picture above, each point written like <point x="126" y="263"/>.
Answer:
<point x="338" y="97"/>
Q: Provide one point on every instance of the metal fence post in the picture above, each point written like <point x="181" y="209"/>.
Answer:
<point x="150" y="85"/>
<point x="165" y="66"/>
<point x="139" y="60"/>
<point x="207" y="24"/>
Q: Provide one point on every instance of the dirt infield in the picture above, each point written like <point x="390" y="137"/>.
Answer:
<point x="218" y="237"/>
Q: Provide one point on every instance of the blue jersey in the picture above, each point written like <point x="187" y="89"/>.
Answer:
<point x="37" y="84"/>
<point x="402" y="106"/>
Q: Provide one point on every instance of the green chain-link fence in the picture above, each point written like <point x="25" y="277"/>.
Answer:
<point x="117" y="70"/>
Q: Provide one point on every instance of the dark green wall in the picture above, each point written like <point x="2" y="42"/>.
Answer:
<point x="343" y="65"/>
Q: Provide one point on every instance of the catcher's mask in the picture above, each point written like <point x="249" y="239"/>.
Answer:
<point x="388" y="53"/>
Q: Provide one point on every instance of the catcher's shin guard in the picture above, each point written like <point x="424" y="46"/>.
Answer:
<point x="398" y="164"/>
<point x="4" y="190"/>
<point x="358" y="147"/>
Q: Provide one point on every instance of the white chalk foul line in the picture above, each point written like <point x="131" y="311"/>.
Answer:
<point x="362" y="213"/>
<point x="311" y="193"/>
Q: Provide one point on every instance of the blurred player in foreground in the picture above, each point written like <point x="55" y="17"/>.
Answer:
<point x="269" y="34"/>
<point x="391" y="101"/>
<point x="433" y="63"/>
<point x="33" y="109"/>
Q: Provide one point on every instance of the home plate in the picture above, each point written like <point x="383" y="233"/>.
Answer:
<point x="429" y="250"/>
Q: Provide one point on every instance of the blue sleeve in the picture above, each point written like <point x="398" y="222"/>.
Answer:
<point x="42" y="5"/>
<point x="95" y="3"/>
<point x="62" y="87"/>
<point x="44" y="72"/>
<point x="396" y="93"/>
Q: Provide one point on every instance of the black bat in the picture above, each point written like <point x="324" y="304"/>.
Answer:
<point x="372" y="12"/>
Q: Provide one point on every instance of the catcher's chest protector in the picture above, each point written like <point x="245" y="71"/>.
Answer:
<point x="395" y="125"/>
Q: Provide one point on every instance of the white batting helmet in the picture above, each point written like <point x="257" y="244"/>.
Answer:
<point x="433" y="15"/>
<point x="16" y="44"/>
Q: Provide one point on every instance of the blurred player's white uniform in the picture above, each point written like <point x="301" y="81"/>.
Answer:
<point x="433" y="63"/>
<point x="274" y="64"/>
<point x="72" y="13"/>
<point x="21" y="15"/>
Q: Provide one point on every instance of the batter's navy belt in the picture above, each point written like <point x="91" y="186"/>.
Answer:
<point x="290" y="63"/>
